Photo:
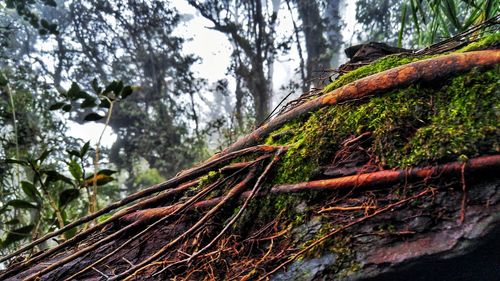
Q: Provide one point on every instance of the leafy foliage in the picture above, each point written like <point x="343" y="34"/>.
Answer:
<point x="41" y="178"/>
<point x="434" y="20"/>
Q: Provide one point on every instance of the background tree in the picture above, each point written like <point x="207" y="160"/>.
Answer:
<point x="174" y="118"/>
<point x="131" y="41"/>
<point x="250" y="26"/>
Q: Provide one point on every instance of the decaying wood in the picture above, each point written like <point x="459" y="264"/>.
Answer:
<point x="178" y="180"/>
<point x="244" y="181"/>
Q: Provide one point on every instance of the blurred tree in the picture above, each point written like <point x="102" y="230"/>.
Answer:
<point x="250" y="26"/>
<point x="321" y="24"/>
<point x="132" y="41"/>
<point x="379" y="20"/>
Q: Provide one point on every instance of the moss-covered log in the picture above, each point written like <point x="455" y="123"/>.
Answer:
<point x="349" y="185"/>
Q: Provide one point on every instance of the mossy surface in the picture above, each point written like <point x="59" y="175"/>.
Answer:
<point x="396" y="60"/>
<point x="422" y="124"/>
<point x="484" y="43"/>
<point x="447" y="120"/>
<point x="377" y="66"/>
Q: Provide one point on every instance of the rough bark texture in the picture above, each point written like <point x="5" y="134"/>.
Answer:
<point x="317" y="203"/>
<point x="425" y="242"/>
<point x="420" y="71"/>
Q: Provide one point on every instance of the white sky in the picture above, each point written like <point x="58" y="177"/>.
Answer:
<point x="214" y="50"/>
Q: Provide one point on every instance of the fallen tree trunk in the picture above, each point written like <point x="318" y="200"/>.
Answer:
<point x="475" y="166"/>
<point x="418" y="72"/>
<point x="243" y="220"/>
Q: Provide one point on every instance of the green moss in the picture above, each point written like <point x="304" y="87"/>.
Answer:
<point x="392" y="61"/>
<point x="465" y="120"/>
<point x="379" y="65"/>
<point x="448" y="120"/>
<point x="209" y="178"/>
<point x="300" y="160"/>
<point x="205" y="180"/>
<point x="422" y="123"/>
<point x="340" y="245"/>
<point x="483" y="43"/>
<point x="458" y="117"/>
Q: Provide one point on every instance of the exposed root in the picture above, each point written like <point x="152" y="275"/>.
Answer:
<point x="183" y="182"/>
<point x="234" y="192"/>
<point x="361" y="181"/>
<point x="420" y="71"/>
<point x="342" y="228"/>
<point x="197" y="227"/>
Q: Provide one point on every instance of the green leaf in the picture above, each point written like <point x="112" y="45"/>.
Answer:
<point x="101" y="179"/>
<point x="111" y="87"/>
<point x="55" y="176"/>
<point x="95" y="86"/>
<point x="57" y="105"/>
<point x="12" y="222"/>
<point x="67" y="196"/>
<point x="415" y="19"/>
<point x="45" y="23"/>
<point x="73" y="152"/>
<point x="88" y="102"/>
<point x="127" y="91"/>
<point x="4" y="209"/>
<point x="118" y="88"/>
<point x="21" y="204"/>
<point x="73" y="91"/>
<point x="83" y="95"/>
<point x="93" y="117"/>
<point x="490" y="8"/>
<point x="42" y="31"/>
<point x="3" y="80"/>
<point x="44" y="155"/>
<point x="10" y="4"/>
<point x="107" y="172"/>
<point x="30" y="190"/>
<point x="66" y="108"/>
<point x="15" y="161"/>
<point x="53" y="29"/>
<point x="450" y="10"/>
<point x="50" y="3"/>
<point x="401" y="29"/>
<point x="75" y="170"/>
<point x="84" y="149"/>
<point x="105" y="103"/>
<point x="17" y="234"/>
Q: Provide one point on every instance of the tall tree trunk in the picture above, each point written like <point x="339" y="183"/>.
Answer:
<point x="322" y="52"/>
<point x="318" y="56"/>
<point x="333" y="30"/>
